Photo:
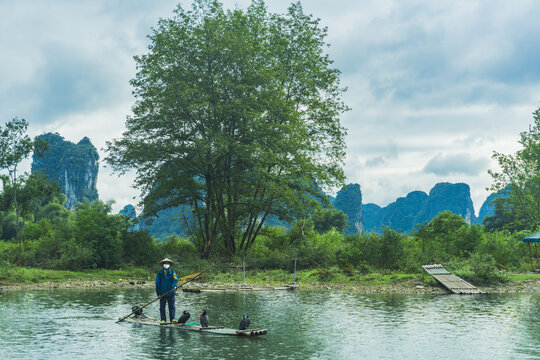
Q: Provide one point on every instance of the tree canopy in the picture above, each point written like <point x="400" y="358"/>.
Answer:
<point x="15" y="146"/>
<point x="236" y="117"/>
<point x="520" y="175"/>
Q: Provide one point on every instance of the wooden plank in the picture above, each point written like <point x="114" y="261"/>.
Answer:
<point x="453" y="283"/>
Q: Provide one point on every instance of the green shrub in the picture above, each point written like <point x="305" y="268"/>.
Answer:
<point x="272" y="250"/>
<point x="391" y="251"/>
<point x="467" y="239"/>
<point x="273" y="238"/>
<point x="9" y="251"/>
<point x="351" y="253"/>
<point x="177" y="249"/>
<point x="47" y="250"/>
<point x="479" y="269"/>
<point x="348" y="270"/>
<point x="370" y="245"/>
<point x="273" y="260"/>
<point x="505" y="248"/>
<point x="139" y="249"/>
<point x="363" y="268"/>
<point x="320" y="249"/>
<point x="325" y="274"/>
<point x="74" y="256"/>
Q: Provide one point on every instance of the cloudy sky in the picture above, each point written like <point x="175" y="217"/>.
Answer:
<point x="434" y="86"/>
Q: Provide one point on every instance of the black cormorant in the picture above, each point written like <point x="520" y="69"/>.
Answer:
<point x="136" y="310"/>
<point x="185" y="316"/>
<point x="204" y="319"/>
<point x="244" y="323"/>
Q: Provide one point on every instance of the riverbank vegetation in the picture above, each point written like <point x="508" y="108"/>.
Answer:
<point x="90" y="239"/>
<point x="84" y="242"/>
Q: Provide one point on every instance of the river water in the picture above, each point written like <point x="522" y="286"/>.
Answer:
<point x="80" y="324"/>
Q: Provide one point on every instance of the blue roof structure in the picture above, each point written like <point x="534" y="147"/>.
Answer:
<point x="532" y="238"/>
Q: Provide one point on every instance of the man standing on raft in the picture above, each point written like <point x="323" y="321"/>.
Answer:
<point x="166" y="280"/>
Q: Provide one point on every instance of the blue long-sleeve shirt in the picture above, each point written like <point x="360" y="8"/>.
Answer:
<point x="166" y="282"/>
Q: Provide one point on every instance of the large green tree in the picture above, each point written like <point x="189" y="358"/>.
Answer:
<point x="27" y="197"/>
<point x="520" y="174"/>
<point x="237" y="117"/>
<point x="15" y="146"/>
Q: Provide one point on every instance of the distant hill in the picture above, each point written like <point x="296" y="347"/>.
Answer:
<point x="402" y="215"/>
<point x="349" y="200"/>
<point x="446" y="196"/>
<point x="488" y="208"/>
<point x="129" y="211"/>
<point x="167" y="222"/>
<point x="418" y="207"/>
<point x="74" y="166"/>
<point x="372" y="214"/>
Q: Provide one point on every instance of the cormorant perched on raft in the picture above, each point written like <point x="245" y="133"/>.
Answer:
<point x="204" y="319"/>
<point x="185" y="316"/>
<point x="244" y="323"/>
<point x="135" y="309"/>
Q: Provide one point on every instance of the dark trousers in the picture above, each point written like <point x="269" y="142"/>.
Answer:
<point x="172" y="309"/>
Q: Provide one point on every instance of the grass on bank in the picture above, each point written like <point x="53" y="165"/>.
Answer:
<point x="516" y="278"/>
<point x="26" y="275"/>
<point x="12" y="275"/>
<point x="311" y="276"/>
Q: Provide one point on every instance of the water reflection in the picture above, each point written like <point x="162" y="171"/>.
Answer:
<point x="528" y="326"/>
<point x="63" y="324"/>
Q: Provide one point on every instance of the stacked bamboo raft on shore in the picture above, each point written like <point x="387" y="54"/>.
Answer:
<point x="450" y="281"/>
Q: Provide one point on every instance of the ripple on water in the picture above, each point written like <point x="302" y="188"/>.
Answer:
<point x="302" y="325"/>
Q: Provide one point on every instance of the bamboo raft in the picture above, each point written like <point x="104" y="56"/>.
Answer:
<point x="450" y="281"/>
<point x="217" y="330"/>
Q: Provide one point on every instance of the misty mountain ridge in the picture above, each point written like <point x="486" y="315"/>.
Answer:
<point x="402" y="215"/>
<point x="417" y="207"/>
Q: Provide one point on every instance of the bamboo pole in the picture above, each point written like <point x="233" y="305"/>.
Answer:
<point x="294" y="278"/>
<point x="530" y="257"/>
<point x="244" y="267"/>
<point x="536" y="249"/>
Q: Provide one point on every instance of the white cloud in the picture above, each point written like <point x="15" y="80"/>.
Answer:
<point x="428" y="81"/>
<point x="458" y="164"/>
